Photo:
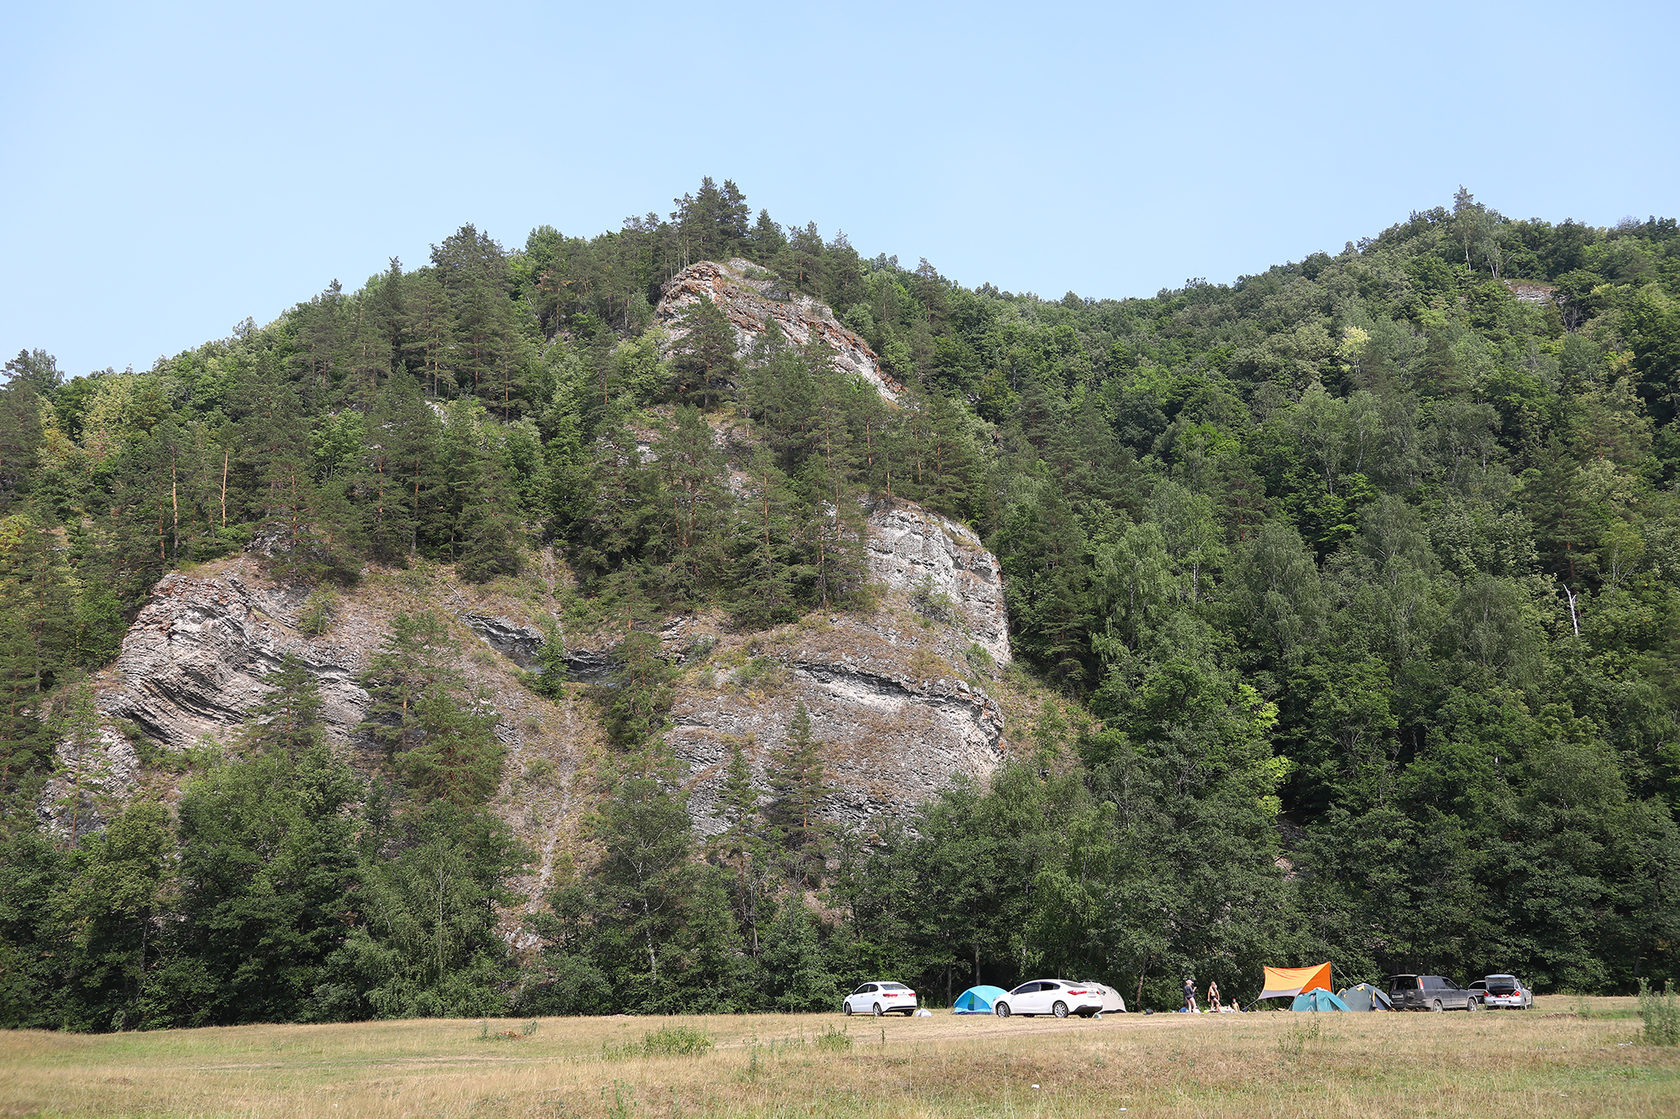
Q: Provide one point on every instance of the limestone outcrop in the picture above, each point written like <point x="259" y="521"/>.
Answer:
<point x="943" y="571"/>
<point x="753" y="299"/>
<point x="899" y="696"/>
<point x="194" y="665"/>
<point x="194" y="661"/>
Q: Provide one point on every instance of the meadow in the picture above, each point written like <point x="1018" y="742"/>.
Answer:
<point x="1567" y="1057"/>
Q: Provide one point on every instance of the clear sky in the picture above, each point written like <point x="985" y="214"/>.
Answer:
<point x="167" y="170"/>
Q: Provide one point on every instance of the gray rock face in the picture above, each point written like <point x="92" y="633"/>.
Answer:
<point x="897" y="698"/>
<point x="518" y="643"/>
<point x="753" y="299"/>
<point x="194" y="662"/>
<point x="889" y="742"/>
<point x="945" y="572"/>
<point x="89" y="783"/>
<point x="1529" y="292"/>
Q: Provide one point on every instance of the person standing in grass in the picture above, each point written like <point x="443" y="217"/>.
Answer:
<point x="1190" y="996"/>
<point x="1213" y="997"/>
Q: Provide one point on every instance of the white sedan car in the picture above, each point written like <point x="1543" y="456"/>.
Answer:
<point x="880" y="998"/>
<point x="1050" y="996"/>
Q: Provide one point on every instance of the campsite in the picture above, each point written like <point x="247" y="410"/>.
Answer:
<point x="1572" y="1057"/>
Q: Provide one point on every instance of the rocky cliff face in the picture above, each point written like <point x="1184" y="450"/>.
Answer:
<point x="941" y="569"/>
<point x="194" y="661"/>
<point x="194" y="665"/>
<point x="900" y="696"/>
<point x="753" y="299"/>
<point x="1526" y="291"/>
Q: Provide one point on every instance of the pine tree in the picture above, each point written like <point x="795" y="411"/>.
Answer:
<point x="766" y="240"/>
<point x="324" y="344"/>
<point x="401" y="478"/>
<point x="767" y="564"/>
<point x="481" y="515"/>
<point x="34" y="613"/>
<point x="456" y="757"/>
<point x="743" y="844"/>
<point x="414" y="659"/>
<point x="705" y="367"/>
<point x="692" y="469"/>
<point x="798" y="785"/>
<point x="21" y="434"/>
<point x="288" y="720"/>
<point x="836" y="522"/>
<point x="637" y="696"/>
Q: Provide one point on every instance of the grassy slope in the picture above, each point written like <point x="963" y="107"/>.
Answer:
<point x="1550" y="1061"/>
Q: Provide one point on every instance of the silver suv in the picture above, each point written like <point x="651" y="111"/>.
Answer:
<point x="1429" y="992"/>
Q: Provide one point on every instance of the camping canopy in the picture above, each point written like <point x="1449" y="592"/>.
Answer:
<point x="1317" y="999"/>
<point x="1363" y="996"/>
<point x="977" y="1000"/>
<point x="1282" y="982"/>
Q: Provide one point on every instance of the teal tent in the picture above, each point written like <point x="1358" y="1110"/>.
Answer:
<point x="1363" y="996"/>
<point x="1317" y="999"/>
<point x="977" y="1000"/>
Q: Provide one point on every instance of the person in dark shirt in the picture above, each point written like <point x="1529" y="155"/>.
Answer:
<point x="1190" y="995"/>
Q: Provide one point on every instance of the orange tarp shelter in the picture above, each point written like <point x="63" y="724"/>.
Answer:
<point x="1282" y="981"/>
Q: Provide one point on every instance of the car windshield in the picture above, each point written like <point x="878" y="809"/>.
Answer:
<point x="890" y="987"/>
<point x="1404" y="983"/>
<point x="1502" y="983"/>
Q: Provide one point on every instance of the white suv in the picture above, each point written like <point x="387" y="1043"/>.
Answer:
<point x="881" y="998"/>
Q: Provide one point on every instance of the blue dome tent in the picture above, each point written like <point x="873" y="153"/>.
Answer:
<point x="977" y="1000"/>
<point x="1317" y="999"/>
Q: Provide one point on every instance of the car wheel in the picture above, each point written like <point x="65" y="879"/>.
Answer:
<point x="848" y="1008"/>
<point x="1436" y="1007"/>
<point x="1001" y="1010"/>
<point x="1471" y="1003"/>
<point x="878" y="1010"/>
<point x="1060" y="1009"/>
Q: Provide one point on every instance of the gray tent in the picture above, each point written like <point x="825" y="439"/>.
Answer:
<point x="1363" y="996"/>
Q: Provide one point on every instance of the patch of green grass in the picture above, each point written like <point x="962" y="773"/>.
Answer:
<point x="670" y="1041"/>
<point x="833" y="1040"/>
<point x="1660" y="1014"/>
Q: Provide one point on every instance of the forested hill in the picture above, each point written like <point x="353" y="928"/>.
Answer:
<point x="1360" y="578"/>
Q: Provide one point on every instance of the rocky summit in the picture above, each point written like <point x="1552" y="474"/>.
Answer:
<point x="755" y="301"/>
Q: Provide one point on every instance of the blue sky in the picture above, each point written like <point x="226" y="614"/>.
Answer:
<point x="168" y="169"/>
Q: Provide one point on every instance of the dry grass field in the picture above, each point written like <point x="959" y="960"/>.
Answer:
<point x="1552" y="1061"/>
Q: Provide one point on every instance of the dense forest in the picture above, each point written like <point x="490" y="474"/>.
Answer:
<point x="1363" y="575"/>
